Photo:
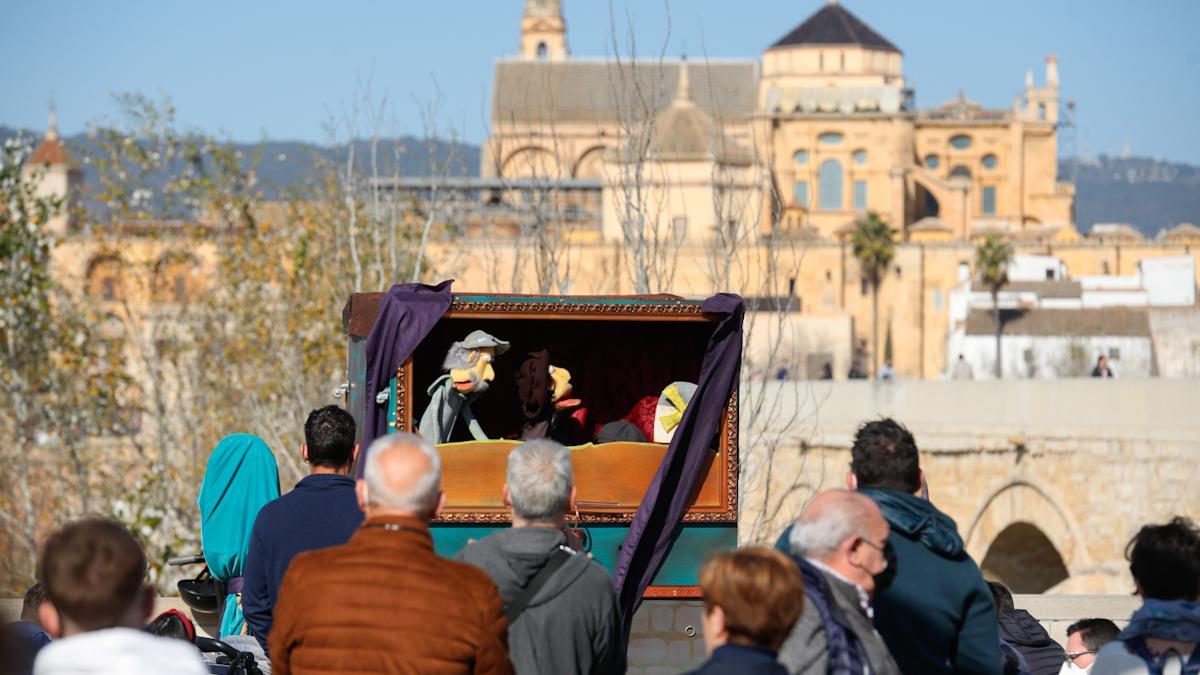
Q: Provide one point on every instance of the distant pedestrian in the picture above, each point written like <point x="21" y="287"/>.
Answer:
<point x="1102" y="369"/>
<point x="1163" y="636"/>
<point x="385" y="602"/>
<point x="838" y="542"/>
<point x="561" y="607"/>
<point x="322" y="510"/>
<point x="827" y="371"/>
<point x="1085" y="638"/>
<point x="886" y="371"/>
<point x="857" y="371"/>
<point x="97" y="602"/>
<point x="1021" y="630"/>
<point x="752" y="597"/>
<point x="962" y="370"/>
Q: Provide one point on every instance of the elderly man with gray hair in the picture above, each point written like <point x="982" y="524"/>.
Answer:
<point x="839" y="544"/>
<point x="385" y="602"/>
<point x="561" y="607"/>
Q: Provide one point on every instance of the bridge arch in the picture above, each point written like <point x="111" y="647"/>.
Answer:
<point x="1023" y="558"/>
<point x="1023" y="515"/>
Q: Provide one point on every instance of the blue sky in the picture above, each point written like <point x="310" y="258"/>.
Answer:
<point x="284" y="69"/>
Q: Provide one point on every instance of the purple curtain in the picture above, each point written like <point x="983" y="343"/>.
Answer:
<point x="660" y="514"/>
<point x="407" y="313"/>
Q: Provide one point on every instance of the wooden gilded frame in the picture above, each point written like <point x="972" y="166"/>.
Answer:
<point x="514" y="308"/>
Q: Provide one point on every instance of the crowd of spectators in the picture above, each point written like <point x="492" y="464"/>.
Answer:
<point x="341" y="575"/>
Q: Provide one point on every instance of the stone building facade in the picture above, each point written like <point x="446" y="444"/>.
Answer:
<point x="825" y="119"/>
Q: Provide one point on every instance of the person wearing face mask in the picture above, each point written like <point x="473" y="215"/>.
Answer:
<point x="1084" y="639"/>
<point x="839" y="544"/>
<point x="936" y="614"/>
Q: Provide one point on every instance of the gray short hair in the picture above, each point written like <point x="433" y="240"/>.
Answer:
<point x="422" y="497"/>
<point x="540" y="480"/>
<point x="818" y="534"/>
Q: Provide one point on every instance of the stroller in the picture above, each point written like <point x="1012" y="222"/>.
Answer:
<point x="205" y="596"/>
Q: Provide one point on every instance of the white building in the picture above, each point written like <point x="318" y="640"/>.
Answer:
<point x="1058" y="326"/>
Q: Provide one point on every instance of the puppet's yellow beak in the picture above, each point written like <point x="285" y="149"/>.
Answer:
<point x="560" y="383"/>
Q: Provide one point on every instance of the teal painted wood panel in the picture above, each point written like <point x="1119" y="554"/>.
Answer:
<point x="356" y="379"/>
<point x="681" y="568"/>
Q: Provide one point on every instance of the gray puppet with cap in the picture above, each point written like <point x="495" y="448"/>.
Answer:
<point x="469" y="373"/>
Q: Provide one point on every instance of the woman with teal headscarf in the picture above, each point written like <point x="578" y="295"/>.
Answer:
<point x="240" y="479"/>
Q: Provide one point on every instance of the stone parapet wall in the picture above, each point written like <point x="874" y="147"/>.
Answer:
<point x="1084" y="463"/>
<point x="1057" y="612"/>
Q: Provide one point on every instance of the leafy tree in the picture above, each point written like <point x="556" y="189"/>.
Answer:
<point x="992" y="258"/>
<point x="62" y="381"/>
<point x="873" y="244"/>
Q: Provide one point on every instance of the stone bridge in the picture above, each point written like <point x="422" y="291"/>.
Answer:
<point x="1047" y="479"/>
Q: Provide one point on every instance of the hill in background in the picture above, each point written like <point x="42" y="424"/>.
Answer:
<point x="1149" y="194"/>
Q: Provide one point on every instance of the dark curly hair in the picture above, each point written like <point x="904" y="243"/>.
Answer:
<point x="1165" y="560"/>
<point x="884" y="456"/>
<point x="329" y="435"/>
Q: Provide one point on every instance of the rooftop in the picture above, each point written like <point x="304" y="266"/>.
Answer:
<point x="835" y="25"/>
<point x="579" y="90"/>
<point x="1053" y="289"/>
<point x="1111" y="322"/>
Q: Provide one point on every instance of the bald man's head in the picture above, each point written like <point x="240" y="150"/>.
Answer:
<point x="846" y="532"/>
<point x="403" y="475"/>
<point x="831" y="517"/>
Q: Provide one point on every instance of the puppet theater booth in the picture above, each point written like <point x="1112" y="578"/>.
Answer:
<point x="621" y="353"/>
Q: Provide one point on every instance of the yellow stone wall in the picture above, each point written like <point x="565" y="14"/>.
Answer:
<point x="913" y="298"/>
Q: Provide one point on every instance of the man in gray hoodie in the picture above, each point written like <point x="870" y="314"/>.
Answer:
<point x="571" y="624"/>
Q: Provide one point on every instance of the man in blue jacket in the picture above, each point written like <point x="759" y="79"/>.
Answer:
<point x="932" y="606"/>
<point x="321" y="511"/>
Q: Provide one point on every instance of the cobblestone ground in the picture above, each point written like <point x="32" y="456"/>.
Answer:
<point x="666" y="638"/>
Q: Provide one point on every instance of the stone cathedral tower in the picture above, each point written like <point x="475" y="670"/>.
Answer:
<point x="543" y="31"/>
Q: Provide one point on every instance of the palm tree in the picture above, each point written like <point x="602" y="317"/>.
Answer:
<point x="874" y="247"/>
<point x="991" y="262"/>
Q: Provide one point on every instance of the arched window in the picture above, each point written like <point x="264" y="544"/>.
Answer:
<point x="105" y="279"/>
<point x="830" y="185"/>
<point x="830" y="138"/>
<point x="931" y="161"/>
<point x="801" y="157"/>
<point x="989" y="162"/>
<point x="960" y="142"/>
<point x="960" y="171"/>
<point x="542" y="51"/>
<point x="177" y="277"/>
